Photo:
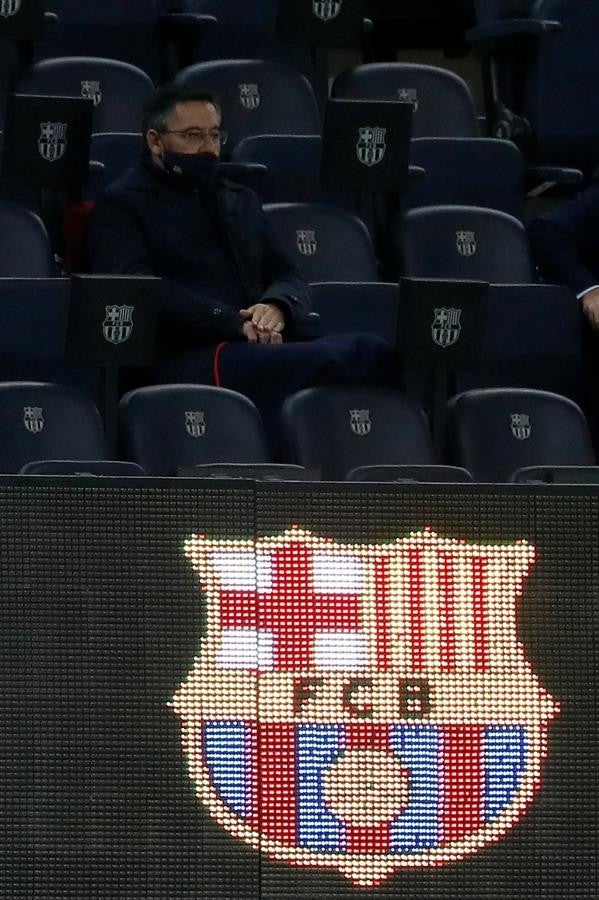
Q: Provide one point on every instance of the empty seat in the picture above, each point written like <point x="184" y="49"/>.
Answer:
<point x="100" y="467"/>
<point x="493" y="432"/>
<point x="252" y="471"/>
<point x="119" y="91"/>
<point x="257" y="97"/>
<point x="443" y="104"/>
<point x="465" y="242"/>
<point x="363" y="306"/>
<point x="133" y="31"/>
<point x="24" y="243"/>
<point x="469" y="172"/>
<point x="336" y="429"/>
<point x="532" y="338"/>
<point x="47" y="421"/>
<point x="293" y="169"/>
<point x="167" y="427"/>
<point x="556" y="475"/>
<point x="326" y="244"/>
<point x="247" y="31"/>
<point x="34" y="317"/>
<point x="406" y="474"/>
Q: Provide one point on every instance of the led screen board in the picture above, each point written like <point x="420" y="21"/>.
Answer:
<point x="228" y="690"/>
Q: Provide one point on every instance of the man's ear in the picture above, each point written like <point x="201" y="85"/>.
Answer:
<point x="154" y="142"/>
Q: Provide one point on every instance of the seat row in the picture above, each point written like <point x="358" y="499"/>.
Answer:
<point x="333" y="433"/>
<point x="329" y="244"/>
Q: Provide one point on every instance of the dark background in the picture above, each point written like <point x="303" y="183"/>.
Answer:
<point x="101" y="618"/>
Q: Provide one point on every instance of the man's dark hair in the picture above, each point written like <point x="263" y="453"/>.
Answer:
<point x="160" y="107"/>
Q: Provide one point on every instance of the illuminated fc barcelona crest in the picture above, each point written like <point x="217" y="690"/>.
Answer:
<point x="363" y="708"/>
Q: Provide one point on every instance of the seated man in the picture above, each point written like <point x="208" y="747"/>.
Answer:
<point x="565" y="245"/>
<point x="233" y="302"/>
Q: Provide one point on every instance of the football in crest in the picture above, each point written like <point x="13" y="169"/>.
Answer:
<point x="363" y="708"/>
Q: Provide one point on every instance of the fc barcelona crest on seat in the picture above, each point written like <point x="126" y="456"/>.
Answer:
<point x="363" y="707"/>
<point x="446" y="327"/>
<point x="371" y="145"/>
<point x="466" y="243"/>
<point x="92" y="90"/>
<point x="195" y="423"/>
<point x="118" y="324"/>
<point x="9" y="8"/>
<point x="33" y="419"/>
<point x="249" y="95"/>
<point x="52" y="142"/>
<point x="327" y="9"/>
<point x="306" y="241"/>
<point x="521" y="427"/>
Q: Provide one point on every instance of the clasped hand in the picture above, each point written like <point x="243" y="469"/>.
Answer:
<point x="264" y="323"/>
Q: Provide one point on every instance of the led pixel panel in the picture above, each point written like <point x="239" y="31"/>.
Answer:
<point x="241" y="691"/>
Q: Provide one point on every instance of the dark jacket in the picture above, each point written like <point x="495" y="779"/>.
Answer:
<point x="214" y="249"/>
<point x="565" y="243"/>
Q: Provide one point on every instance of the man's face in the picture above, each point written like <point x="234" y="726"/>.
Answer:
<point x="193" y="128"/>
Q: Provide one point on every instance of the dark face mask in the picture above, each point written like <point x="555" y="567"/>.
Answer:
<point x="196" y="170"/>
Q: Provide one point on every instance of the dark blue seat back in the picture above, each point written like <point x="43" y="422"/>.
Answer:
<point x="119" y="90"/>
<point x="257" y="97"/>
<point x="326" y="244"/>
<point x="169" y="426"/>
<point x="562" y="88"/>
<point x="113" y="29"/>
<point x="247" y="31"/>
<point x="47" y="421"/>
<point x="443" y="104"/>
<point x="496" y="431"/>
<point x="533" y="339"/>
<point x="293" y="175"/>
<point x="34" y="315"/>
<point x="337" y="429"/>
<point x="469" y="172"/>
<point x="419" y="474"/>
<point x="24" y="244"/>
<point x="360" y="307"/>
<point x="465" y="242"/>
<point x="115" y="153"/>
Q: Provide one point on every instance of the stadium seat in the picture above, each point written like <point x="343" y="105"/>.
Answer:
<point x="468" y="172"/>
<point x="336" y="429"/>
<point x="47" y="421"/>
<point x="257" y="97"/>
<point x="532" y="338"/>
<point x="119" y="90"/>
<point x="110" y="156"/>
<point x="135" y="31"/>
<point x="556" y="475"/>
<point x="251" y="471"/>
<point x="443" y="104"/>
<point x="543" y="75"/>
<point x="100" y="467"/>
<point x="362" y="306"/>
<point x="293" y="164"/>
<point x="24" y="244"/>
<point x="166" y="427"/>
<point x="34" y="316"/>
<point x="246" y="31"/>
<point x="465" y="242"/>
<point x="412" y="474"/>
<point x="495" y="431"/>
<point x="326" y="244"/>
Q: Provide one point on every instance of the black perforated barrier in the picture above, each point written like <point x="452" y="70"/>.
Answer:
<point x="221" y="690"/>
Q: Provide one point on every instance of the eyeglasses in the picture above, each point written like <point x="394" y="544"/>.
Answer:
<point x="200" y="135"/>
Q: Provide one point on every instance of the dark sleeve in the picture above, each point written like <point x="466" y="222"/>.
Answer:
<point x="566" y="242"/>
<point x="118" y="247"/>
<point x="286" y="287"/>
